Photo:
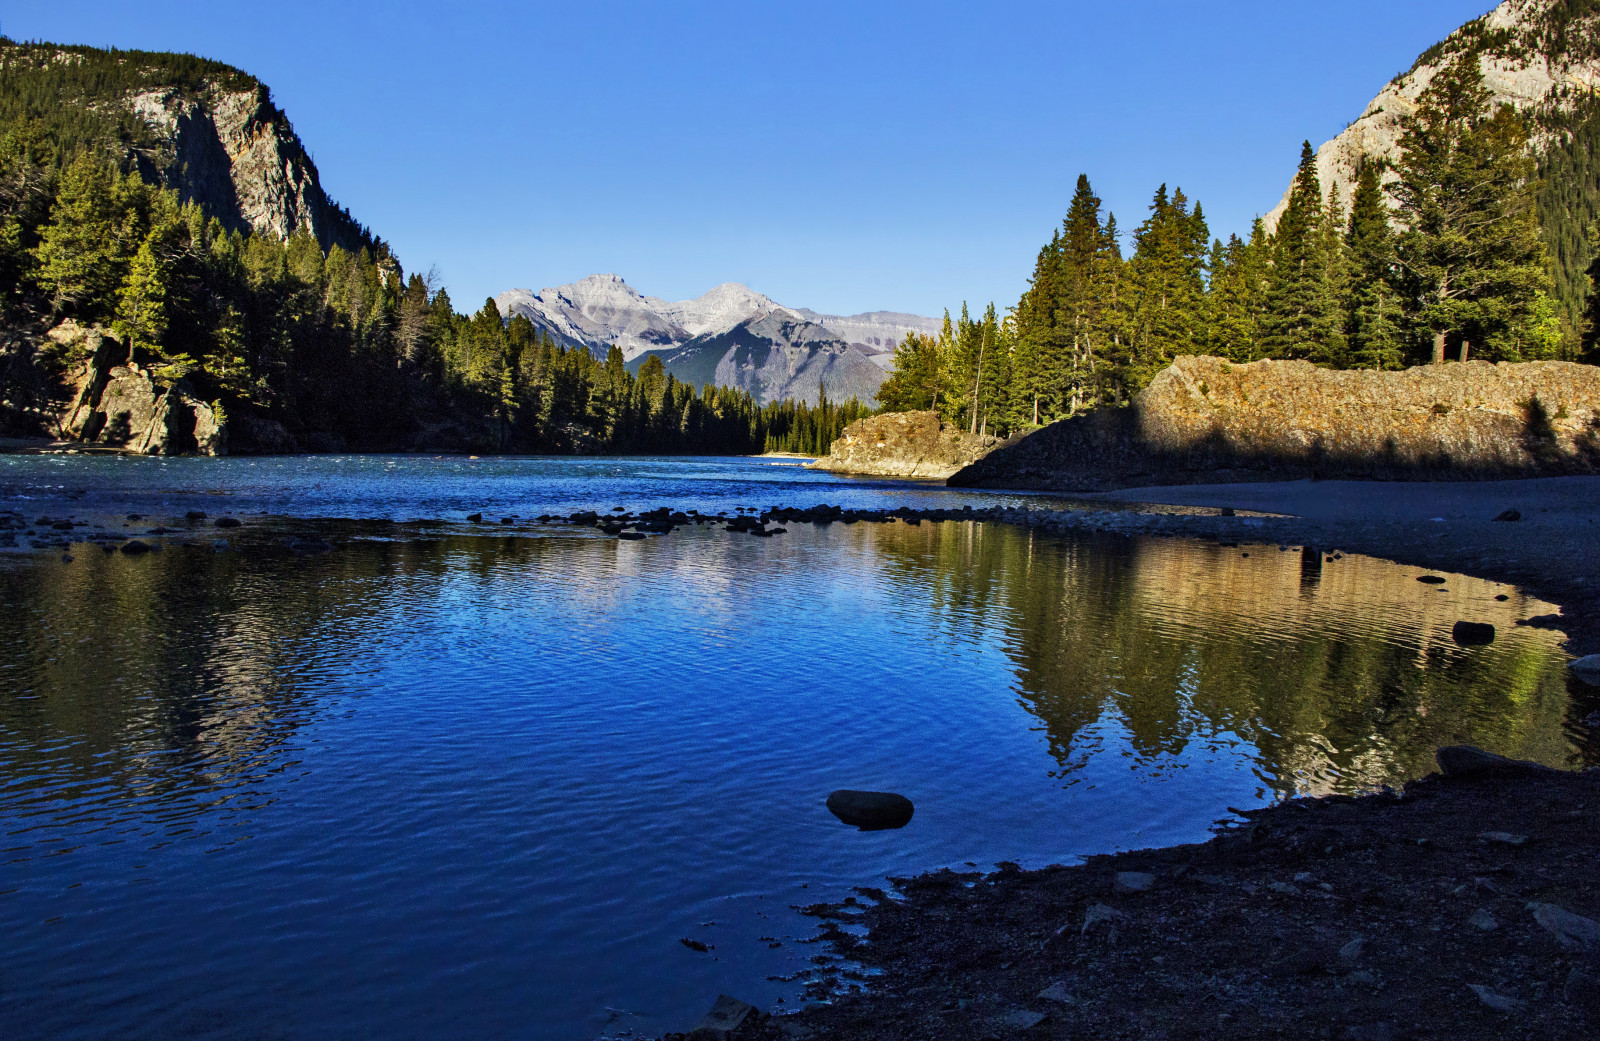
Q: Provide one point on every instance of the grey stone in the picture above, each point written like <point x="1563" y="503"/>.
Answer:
<point x="871" y="811"/>
<point x="1573" y="931"/>
<point x="1099" y="913"/>
<point x="1022" y="1019"/>
<point x="1482" y="919"/>
<point x="1587" y="669"/>
<point x="1498" y="1002"/>
<point x="1502" y="838"/>
<point x="1133" y="881"/>
<point x="725" y="1017"/>
<point x="1058" y="993"/>
<point x="1353" y="950"/>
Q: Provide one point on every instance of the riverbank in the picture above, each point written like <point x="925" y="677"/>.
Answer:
<point x="1461" y="906"/>
<point x="1441" y="911"/>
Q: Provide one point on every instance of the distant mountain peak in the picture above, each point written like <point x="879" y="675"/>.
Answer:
<point x="698" y="338"/>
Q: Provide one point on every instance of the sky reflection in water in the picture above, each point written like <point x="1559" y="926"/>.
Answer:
<point x="480" y="786"/>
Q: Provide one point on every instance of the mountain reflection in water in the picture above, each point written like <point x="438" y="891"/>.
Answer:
<point x="473" y="785"/>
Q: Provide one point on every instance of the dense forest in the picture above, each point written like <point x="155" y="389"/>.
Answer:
<point x="328" y="337"/>
<point x="1442" y="255"/>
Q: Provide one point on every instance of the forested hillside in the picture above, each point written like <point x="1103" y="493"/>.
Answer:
<point x="128" y="202"/>
<point x="1472" y="243"/>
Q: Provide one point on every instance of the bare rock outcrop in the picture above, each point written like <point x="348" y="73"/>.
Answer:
<point x="1205" y="420"/>
<point x="904" y="444"/>
<point x="234" y="153"/>
<point x="117" y="403"/>
<point x="1521" y="68"/>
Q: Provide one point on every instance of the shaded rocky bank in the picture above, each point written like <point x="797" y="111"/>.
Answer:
<point x="1204" y="420"/>
<point x="1464" y="905"/>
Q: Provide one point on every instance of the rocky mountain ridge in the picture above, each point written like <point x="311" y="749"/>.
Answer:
<point x="234" y="153"/>
<point x="775" y="355"/>
<point x="730" y="336"/>
<point x="207" y="130"/>
<point x="1539" y="56"/>
<point x="602" y="309"/>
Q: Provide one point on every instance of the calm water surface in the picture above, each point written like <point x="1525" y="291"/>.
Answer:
<point x="455" y="782"/>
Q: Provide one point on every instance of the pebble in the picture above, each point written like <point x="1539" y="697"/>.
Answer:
<point x="1498" y="1002"/>
<point x="1502" y="838"/>
<point x="1022" y="1019"/>
<point x="1353" y="950"/>
<point x="1573" y="931"/>
<point x="1058" y="993"/>
<point x="1482" y="919"/>
<point x="1098" y="913"/>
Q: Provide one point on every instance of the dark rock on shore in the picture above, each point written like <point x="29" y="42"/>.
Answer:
<point x="871" y="811"/>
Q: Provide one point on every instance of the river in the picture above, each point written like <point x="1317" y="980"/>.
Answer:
<point x="471" y="781"/>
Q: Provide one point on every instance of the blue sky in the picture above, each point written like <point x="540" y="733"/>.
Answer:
<point x="840" y="156"/>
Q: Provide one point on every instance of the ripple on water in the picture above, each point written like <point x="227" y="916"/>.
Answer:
<point x="481" y="786"/>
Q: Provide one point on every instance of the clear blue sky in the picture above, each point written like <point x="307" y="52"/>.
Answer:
<point x="841" y="156"/>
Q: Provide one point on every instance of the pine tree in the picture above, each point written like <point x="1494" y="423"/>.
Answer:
<point x="1374" y="320"/>
<point x="1297" y="297"/>
<point x="1470" y="259"/>
<point x="142" y="303"/>
<point x="1166" y="286"/>
<point x="1330" y="346"/>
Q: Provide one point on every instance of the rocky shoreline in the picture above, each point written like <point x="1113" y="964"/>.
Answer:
<point x="1463" y="905"/>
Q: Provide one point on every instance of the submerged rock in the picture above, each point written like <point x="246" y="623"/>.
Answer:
<point x="1472" y="634"/>
<point x="871" y="811"/>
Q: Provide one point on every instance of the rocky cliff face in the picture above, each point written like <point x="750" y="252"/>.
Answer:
<point x="1204" y="420"/>
<point x="118" y="404"/>
<point x="904" y="444"/>
<point x="1536" y="55"/>
<point x="234" y="153"/>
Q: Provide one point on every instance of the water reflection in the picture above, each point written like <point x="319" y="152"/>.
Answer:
<point x="429" y="782"/>
<point x="1341" y="673"/>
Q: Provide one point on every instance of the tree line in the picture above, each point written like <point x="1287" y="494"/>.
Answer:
<point x="334" y="341"/>
<point x="1437" y="255"/>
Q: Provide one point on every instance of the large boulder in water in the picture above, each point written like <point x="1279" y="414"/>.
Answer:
<point x="871" y="811"/>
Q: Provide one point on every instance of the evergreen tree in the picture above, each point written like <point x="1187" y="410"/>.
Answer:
<point x="1165" y="286"/>
<point x="1376" y="340"/>
<point x="1297" y="301"/>
<point x="142" y="303"/>
<point x="1469" y="260"/>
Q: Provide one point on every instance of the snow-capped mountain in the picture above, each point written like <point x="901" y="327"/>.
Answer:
<point x="600" y="310"/>
<point x="797" y="349"/>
